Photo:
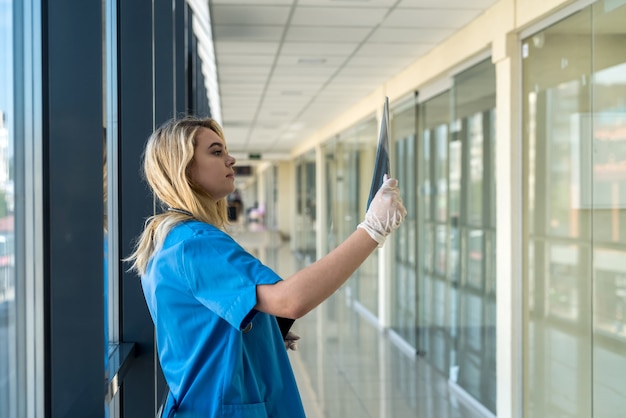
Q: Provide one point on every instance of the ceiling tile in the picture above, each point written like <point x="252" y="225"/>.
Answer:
<point x="246" y="60"/>
<point x="410" y="35"/>
<point x="413" y="50"/>
<point x="327" y="49"/>
<point x="223" y="48"/>
<point x="448" y="4"/>
<point x="429" y="18"/>
<point x="253" y="2"/>
<point x="329" y="34"/>
<point x="247" y="33"/>
<point x="250" y="15"/>
<point x="337" y="16"/>
<point x="274" y="94"/>
<point x="348" y="3"/>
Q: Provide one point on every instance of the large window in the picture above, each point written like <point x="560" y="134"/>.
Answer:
<point x="574" y="119"/>
<point x="434" y="337"/>
<point x="349" y="160"/>
<point x="306" y="208"/>
<point x="21" y="342"/>
<point x="404" y="282"/>
<point x="456" y="305"/>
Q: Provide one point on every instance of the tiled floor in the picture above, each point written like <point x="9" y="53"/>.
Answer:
<point x="346" y="367"/>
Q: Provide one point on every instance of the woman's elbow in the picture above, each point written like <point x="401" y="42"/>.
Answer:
<point x="297" y="311"/>
<point x="276" y="301"/>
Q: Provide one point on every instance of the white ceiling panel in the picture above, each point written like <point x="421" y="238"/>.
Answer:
<point x="288" y="67"/>
<point x="246" y="60"/>
<point x="225" y="48"/>
<point x="448" y="4"/>
<point x="326" y="49"/>
<point x="250" y="15"/>
<point x="430" y="18"/>
<point x="252" y="70"/>
<point x="252" y="2"/>
<point x="328" y="34"/>
<point x="355" y="4"/>
<point x="294" y="77"/>
<point x="412" y="50"/>
<point x="338" y="16"/>
<point x="411" y="35"/>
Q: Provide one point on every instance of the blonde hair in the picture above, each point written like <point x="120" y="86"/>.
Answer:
<point x="167" y="157"/>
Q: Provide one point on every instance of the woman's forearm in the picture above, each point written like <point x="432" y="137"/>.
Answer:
<point x="304" y="290"/>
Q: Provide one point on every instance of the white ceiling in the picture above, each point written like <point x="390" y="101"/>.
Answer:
<point x="288" y="67"/>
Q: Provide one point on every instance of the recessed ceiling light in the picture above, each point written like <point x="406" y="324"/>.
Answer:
<point x="311" y="61"/>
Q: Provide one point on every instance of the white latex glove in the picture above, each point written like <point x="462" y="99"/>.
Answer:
<point x="386" y="212"/>
<point x="290" y="341"/>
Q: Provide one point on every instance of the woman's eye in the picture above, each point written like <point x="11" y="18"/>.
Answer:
<point x="218" y="153"/>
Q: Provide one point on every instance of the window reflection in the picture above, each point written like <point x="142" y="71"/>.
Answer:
<point x="574" y="168"/>
<point x="562" y="282"/>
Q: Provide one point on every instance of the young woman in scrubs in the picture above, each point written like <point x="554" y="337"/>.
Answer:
<point x="213" y="304"/>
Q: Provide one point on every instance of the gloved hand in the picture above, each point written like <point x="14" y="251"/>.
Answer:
<point x="290" y="341"/>
<point x="386" y="212"/>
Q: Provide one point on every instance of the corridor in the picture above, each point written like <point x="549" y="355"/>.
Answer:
<point x="346" y="367"/>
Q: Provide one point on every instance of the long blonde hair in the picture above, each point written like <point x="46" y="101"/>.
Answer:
<point x="167" y="157"/>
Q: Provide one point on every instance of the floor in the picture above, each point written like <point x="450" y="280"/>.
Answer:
<point x="346" y="367"/>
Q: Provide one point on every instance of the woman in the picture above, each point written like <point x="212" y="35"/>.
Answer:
<point x="213" y="304"/>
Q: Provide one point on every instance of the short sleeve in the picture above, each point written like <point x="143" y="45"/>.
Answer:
<point x="223" y="276"/>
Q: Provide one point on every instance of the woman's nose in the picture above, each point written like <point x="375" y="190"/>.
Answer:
<point x="231" y="160"/>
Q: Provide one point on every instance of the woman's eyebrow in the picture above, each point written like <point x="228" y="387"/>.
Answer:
<point x="216" y="144"/>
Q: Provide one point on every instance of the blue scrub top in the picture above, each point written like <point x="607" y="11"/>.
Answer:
<point x="220" y="357"/>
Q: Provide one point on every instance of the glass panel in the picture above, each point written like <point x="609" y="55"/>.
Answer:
<point x="110" y="192"/>
<point x="349" y="167"/>
<point x="10" y="299"/>
<point x="475" y="258"/>
<point x="332" y="164"/>
<point x="476" y="145"/>
<point x="404" y="284"/>
<point x="441" y="172"/>
<point x="472" y="260"/>
<point x="556" y="70"/>
<point x="454" y="196"/>
<point x="360" y="150"/>
<point x="434" y="290"/>
<point x="427" y="186"/>
<point x="609" y="208"/>
<point x="305" y="226"/>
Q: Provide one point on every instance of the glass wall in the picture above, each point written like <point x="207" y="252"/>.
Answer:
<point x="456" y="302"/>
<point x="61" y="133"/>
<point x="306" y="208"/>
<point x="111" y="251"/>
<point x="12" y="300"/>
<point x="472" y="232"/>
<point x="404" y="282"/>
<point x="574" y="119"/>
<point x="349" y="160"/>
<point x="434" y="288"/>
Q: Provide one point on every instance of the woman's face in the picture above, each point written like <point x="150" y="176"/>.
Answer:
<point x="212" y="167"/>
